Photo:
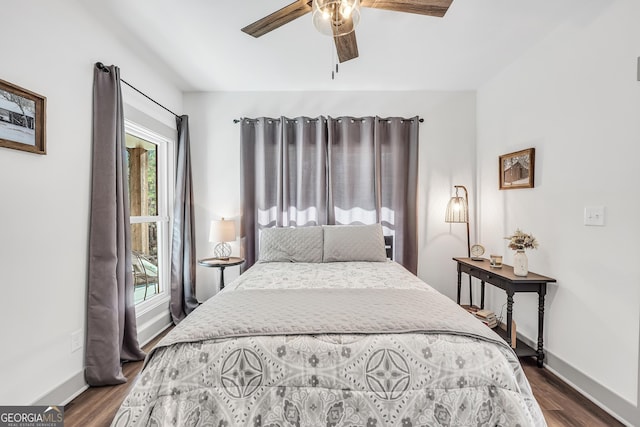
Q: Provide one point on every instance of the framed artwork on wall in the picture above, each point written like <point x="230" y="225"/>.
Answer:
<point x="22" y="119"/>
<point x="517" y="169"/>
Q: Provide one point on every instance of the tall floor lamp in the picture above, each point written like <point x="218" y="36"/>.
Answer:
<point x="458" y="211"/>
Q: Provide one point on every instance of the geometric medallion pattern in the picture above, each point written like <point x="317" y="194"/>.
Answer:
<point x="241" y="373"/>
<point x="387" y="374"/>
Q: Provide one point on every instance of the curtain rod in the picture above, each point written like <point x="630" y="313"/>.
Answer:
<point x="420" y="119"/>
<point x="102" y="67"/>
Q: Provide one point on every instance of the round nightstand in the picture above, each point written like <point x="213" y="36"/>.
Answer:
<point x="221" y="264"/>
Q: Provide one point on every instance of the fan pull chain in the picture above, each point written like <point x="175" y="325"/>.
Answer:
<point x="333" y="58"/>
<point x="333" y="61"/>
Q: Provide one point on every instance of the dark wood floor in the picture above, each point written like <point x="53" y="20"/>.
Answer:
<point x="561" y="405"/>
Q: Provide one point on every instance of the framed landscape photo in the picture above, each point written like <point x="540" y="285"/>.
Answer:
<point x="22" y="119"/>
<point x="517" y="169"/>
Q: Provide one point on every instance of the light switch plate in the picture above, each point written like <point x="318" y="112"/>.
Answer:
<point x="594" y="215"/>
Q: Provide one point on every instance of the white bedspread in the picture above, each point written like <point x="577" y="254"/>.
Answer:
<point x="383" y="379"/>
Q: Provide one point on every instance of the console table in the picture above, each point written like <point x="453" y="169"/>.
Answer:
<point x="504" y="278"/>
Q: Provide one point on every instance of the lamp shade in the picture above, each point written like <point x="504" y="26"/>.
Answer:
<point x="457" y="210"/>
<point x="222" y="231"/>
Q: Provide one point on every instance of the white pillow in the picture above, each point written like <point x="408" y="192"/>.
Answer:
<point x="302" y="244"/>
<point x="354" y="243"/>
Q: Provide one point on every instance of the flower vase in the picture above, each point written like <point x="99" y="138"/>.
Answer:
<point x="520" y="263"/>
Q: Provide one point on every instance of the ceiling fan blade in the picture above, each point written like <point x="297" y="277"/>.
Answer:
<point x="278" y="18"/>
<point x="422" y="7"/>
<point x="346" y="46"/>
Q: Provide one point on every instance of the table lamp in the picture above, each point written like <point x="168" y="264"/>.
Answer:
<point x="221" y="232"/>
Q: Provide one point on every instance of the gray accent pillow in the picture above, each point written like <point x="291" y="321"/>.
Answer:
<point x="302" y="244"/>
<point x="354" y="243"/>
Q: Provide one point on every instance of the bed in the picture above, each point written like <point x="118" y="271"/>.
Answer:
<point x="325" y="331"/>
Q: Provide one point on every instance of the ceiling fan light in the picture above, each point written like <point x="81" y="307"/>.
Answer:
<point x="336" y="17"/>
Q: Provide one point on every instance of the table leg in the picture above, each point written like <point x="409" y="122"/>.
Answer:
<point x="541" y="293"/>
<point x="221" y="277"/>
<point x="509" y="314"/>
<point x="482" y="294"/>
<point x="459" y="283"/>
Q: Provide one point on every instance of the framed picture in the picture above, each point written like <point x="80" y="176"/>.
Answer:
<point x="22" y="119"/>
<point x="517" y="169"/>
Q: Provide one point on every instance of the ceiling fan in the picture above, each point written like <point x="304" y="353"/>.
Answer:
<point x="338" y="18"/>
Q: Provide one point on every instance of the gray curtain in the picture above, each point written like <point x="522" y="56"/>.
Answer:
<point x="283" y="176"/>
<point x="398" y="177"/>
<point x="354" y="159"/>
<point x="183" y="251"/>
<point x="111" y="318"/>
<point x="373" y="177"/>
<point x="350" y="170"/>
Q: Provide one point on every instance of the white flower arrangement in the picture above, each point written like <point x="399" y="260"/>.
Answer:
<point x="520" y="241"/>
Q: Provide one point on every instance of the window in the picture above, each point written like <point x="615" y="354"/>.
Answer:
<point x="147" y="165"/>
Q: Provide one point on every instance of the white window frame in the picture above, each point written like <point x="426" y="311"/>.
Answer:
<point x="164" y="159"/>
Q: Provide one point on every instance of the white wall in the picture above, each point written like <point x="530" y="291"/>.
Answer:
<point x="575" y="98"/>
<point x="447" y="157"/>
<point x="50" y="48"/>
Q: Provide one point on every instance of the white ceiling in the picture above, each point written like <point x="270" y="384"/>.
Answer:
<point x="199" y="45"/>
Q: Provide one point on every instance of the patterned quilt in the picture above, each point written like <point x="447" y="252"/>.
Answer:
<point x="276" y="367"/>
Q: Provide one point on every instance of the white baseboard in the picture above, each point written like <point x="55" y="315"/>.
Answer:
<point x="65" y="392"/>
<point x="153" y="327"/>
